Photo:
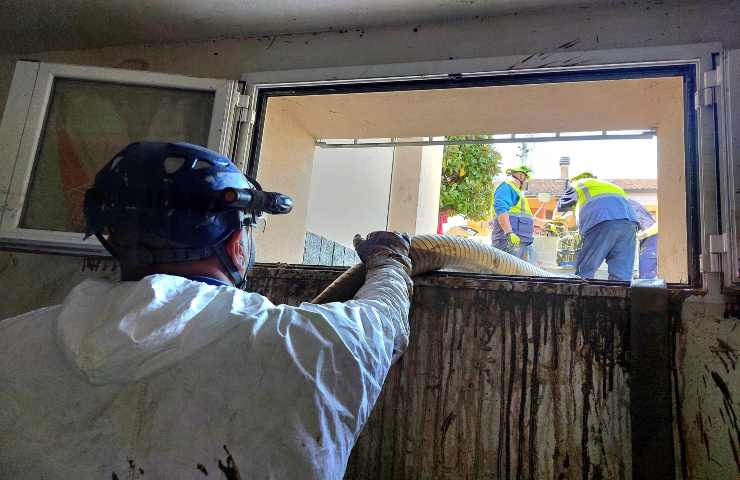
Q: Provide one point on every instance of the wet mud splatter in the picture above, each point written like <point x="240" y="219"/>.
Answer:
<point x="134" y="472"/>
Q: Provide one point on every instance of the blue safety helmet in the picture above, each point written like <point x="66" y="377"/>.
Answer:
<point x="177" y="192"/>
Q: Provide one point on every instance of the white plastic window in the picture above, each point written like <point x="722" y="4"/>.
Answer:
<point x="63" y="122"/>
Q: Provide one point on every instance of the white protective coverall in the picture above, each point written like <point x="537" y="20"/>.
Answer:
<point x="151" y="379"/>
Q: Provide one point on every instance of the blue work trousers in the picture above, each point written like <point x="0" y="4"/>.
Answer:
<point x="613" y="241"/>
<point x="648" y="258"/>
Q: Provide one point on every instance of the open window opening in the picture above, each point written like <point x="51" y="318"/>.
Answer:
<point x="362" y="157"/>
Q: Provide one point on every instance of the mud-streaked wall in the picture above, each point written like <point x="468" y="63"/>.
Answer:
<point x="31" y="281"/>
<point x="501" y="380"/>
<point x="706" y="389"/>
<point x="495" y="378"/>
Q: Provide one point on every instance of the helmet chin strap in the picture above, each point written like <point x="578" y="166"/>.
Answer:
<point x="252" y="252"/>
<point x="238" y="279"/>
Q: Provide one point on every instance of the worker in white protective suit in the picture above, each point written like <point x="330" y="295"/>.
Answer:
<point x="174" y="373"/>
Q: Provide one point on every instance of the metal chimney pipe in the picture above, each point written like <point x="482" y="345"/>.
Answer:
<point x="564" y="164"/>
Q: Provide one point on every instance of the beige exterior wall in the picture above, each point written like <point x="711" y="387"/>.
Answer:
<point x="430" y="182"/>
<point x="355" y="191"/>
<point x="402" y="211"/>
<point x="414" y="203"/>
<point x="534" y="108"/>
<point x="349" y="192"/>
<point x="287" y="160"/>
<point x="672" y="242"/>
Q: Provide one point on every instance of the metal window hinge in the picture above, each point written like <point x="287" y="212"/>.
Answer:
<point x="713" y="78"/>
<point x="719" y="243"/>
<point x="242" y="103"/>
<point x="707" y="95"/>
<point x="711" y="262"/>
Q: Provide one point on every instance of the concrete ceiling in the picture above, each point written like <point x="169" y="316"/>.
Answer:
<point x="42" y="25"/>
<point x="555" y="107"/>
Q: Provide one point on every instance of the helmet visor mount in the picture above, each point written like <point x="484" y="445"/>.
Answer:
<point x="252" y="204"/>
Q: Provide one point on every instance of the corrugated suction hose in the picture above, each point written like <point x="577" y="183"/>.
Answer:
<point x="435" y="252"/>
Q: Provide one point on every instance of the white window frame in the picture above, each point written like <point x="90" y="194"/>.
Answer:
<point x="700" y="55"/>
<point x="729" y="125"/>
<point x="22" y="126"/>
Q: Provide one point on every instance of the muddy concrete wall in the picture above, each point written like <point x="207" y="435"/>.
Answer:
<point x="30" y="281"/>
<point x="706" y="389"/>
<point x="501" y="380"/>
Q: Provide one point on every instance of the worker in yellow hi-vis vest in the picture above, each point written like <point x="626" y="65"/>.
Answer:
<point x="513" y="225"/>
<point x="607" y="224"/>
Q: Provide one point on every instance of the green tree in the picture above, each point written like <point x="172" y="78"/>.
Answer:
<point x="467" y="174"/>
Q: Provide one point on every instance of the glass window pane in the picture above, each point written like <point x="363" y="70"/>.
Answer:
<point x="87" y="123"/>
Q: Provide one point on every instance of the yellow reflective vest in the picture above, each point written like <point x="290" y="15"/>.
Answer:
<point x="521" y="209"/>
<point x="520" y="217"/>
<point x="599" y="201"/>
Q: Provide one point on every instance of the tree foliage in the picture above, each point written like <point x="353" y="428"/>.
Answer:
<point x="467" y="174"/>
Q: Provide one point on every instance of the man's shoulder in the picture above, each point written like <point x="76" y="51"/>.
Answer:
<point x="504" y="187"/>
<point x="26" y="337"/>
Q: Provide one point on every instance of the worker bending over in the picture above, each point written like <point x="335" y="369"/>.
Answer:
<point x="176" y="372"/>
<point x="607" y="225"/>
<point x="513" y="225"/>
<point x="647" y="235"/>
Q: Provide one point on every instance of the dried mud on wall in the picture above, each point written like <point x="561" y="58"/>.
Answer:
<point x="706" y="390"/>
<point x="494" y="381"/>
<point x="29" y="281"/>
<point x="501" y="380"/>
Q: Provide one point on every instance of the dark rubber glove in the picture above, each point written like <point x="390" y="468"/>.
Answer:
<point x="380" y="244"/>
<point x="388" y="284"/>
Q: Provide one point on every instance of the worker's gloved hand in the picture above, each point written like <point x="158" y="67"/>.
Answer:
<point x="641" y="235"/>
<point x="388" y="279"/>
<point x="513" y="239"/>
<point x="381" y="246"/>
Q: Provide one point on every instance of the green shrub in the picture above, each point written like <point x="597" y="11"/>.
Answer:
<point x="467" y="178"/>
